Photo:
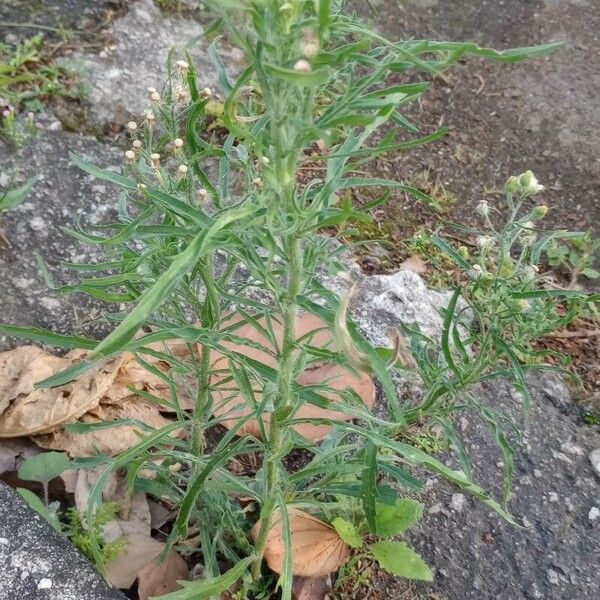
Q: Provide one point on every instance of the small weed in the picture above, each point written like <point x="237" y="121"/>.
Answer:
<point x="574" y="253"/>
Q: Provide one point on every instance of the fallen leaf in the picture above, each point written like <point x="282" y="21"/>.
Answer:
<point x="337" y="377"/>
<point x="140" y="561"/>
<point x="140" y="550"/>
<point x="21" y="368"/>
<point x="311" y="588"/>
<point x="317" y="549"/>
<point x="39" y="411"/>
<point x="158" y="578"/>
<point x="415" y="264"/>
<point x="109" y="441"/>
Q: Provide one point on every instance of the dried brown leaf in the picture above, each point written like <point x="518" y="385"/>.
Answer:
<point x="14" y="452"/>
<point x="415" y="264"/>
<point x="43" y="410"/>
<point x="140" y="550"/>
<point x="336" y="376"/>
<point x="158" y="578"/>
<point x="110" y="441"/>
<point x="317" y="549"/>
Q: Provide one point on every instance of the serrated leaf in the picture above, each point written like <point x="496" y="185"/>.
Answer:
<point x="399" y="559"/>
<point x="394" y="520"/>
<point x="347" y="532"/>
<point x="44" y="467"/>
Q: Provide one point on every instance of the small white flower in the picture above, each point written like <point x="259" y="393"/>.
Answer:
<point x="130" y="155"/>
<point x="181" y="94"/>
<point x="182" y="68"/>
<point x="484" y="242"/>
<point x="302" y="66"/>
<point x="202" y="195"/>
<point x="207" y="92"/>
<point x="150" y="118"/>
<point x="178" y="142"/>
<point x="132" y="126"/>
<point x="182" y="171"/>
<point x="155" y="160"/>
<point x="155" y="97"/>
<point x="137" y="144"/>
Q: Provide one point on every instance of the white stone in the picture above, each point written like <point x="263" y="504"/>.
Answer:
<point x="44" y="584"/>
<point x="593" y="514"/>
<point x="37" y="224"/>
<point x="458" y="502"/>
<point x="595" y="460"/>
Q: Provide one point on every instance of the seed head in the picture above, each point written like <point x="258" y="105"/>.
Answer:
<point x="207" y="92"/>
<point x="151" y="90"/>
<point x="155" y="160"/>
<point x="484" y="242"/>
<point x="529" y="183"/>
<point x="182" y="170"/>
<point x="132" y="126"/>
<point x="130" y="155"/>
<point x="150" y="118"/>
<point x="483" y="208"/>
<point x="202" y="195"/>
<point x="177" y="145"/>
<point x="137" y="144"/>
<point x="155" y="97"/>
<point x="310" y="44"/>
<point x="302" y="66"/>
<point x="182" y="68"/>
<point x="181" y="94"/>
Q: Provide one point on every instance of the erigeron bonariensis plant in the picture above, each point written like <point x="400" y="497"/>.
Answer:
<point x="217" y="245"/>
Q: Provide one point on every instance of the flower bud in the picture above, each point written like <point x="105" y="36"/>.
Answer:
<point x="507" y="267"/>
<point x="483" y="208"/>
<point x="130" y="155"/>
<point x="302" y="66"/>
<point x="182" y="170"/>
<point x="202" y="195"/>
<point x="539" y="212"/>
<point x="463" y="251"/>
<point x="512" y="185"/>
<point x="310" y="44"/>
<point x="155" y="97"/>
<point x="206" y="92"/>
<point x="151" y="90"/>
<point x="155" y="160"/>
<point x="475" y="272"/>
<point x="132" y="126"/>
<point x="529" y="183"/>
<point x="150" y="118"/>
<point x="182" y="68"/>
<point x="137" y="144"/>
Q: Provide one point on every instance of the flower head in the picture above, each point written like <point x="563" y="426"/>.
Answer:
<point x="302" y="66"/>
<point x="182" y="170"/>
<point x="132" y="126"/>
<point x="529" y="183"/>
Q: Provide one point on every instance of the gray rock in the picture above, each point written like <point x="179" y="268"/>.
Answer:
<point x="36" y="562"/>
<point x="118" y="77"/>
<point x="595" y="460"/>
<point x="63" y="196"/>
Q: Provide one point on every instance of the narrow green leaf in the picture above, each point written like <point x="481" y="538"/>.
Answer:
<point x="12" y="198"/>
<point x="300" y="78"/>
<point x="36" y="504"/>
<point x="47" y="337"/>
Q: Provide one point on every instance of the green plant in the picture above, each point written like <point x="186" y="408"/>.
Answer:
<point x="43" y="468"/>
<point x="233" y="272"/>
<point x="574" y="252"/>
<point x="27" y="78"/>
<point x="87" y="533"/>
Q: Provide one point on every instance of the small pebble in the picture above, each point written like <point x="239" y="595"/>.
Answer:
<point x="44" y="584"/>
<point x="537" y="473"/>
<point x="593" y="514"/>
<point x="24" y="575"/>
<point x="458" y="502"/>
<point x="37" y="224"/>
<point x="595" y="460"/>
<point x="553" y="497"/>
<point x="552" y="577"/>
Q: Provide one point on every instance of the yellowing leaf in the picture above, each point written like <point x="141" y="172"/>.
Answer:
<point x="317" y="549"/>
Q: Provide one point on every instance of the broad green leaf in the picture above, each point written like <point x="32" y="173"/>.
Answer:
<point x="399" y="559"/>
<point x="36" y="504"/>
<point x="44" y="467"/>
<point x="394" y="520"/>
<point x="347" y="532"/>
